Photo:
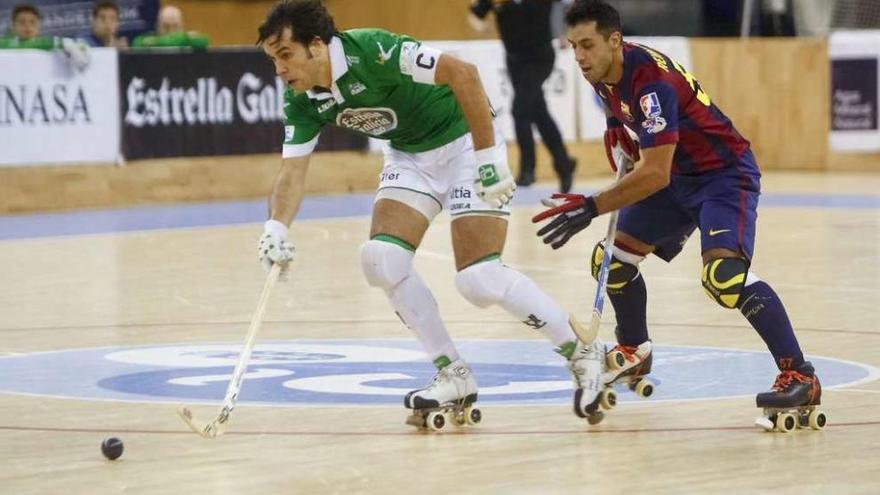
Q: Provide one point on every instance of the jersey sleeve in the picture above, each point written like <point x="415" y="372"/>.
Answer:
<point x="301" y="130"/>
<point x="396" y="59"/>
<point x="657" y="115"/>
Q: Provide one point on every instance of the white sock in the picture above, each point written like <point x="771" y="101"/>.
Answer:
<point x="416" y="306"/>
<point x="532" y="306"/>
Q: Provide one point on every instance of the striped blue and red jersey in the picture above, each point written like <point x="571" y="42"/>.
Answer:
<point x="663" y="103"/>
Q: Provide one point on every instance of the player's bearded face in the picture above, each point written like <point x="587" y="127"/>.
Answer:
<point x="294" y="62"/>
<point x="592" y="51"/>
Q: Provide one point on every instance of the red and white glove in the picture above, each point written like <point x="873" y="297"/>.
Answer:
<point x="619" y="145"/>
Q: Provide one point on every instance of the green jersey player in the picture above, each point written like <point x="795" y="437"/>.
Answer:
<point x="442" y="152"/>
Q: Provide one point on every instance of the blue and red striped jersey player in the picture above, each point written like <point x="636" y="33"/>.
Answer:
<point x="692" y="170"/>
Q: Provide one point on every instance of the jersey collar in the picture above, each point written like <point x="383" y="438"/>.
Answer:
<point x="338" y="68"/>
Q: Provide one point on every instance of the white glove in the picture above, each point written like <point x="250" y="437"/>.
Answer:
<point x="274" y="248"/>
<point x="77" y="52"/>
<point x="494" y="183"/>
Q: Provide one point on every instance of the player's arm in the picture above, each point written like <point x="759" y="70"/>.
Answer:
<point x="464" y="80"/>
<point x="649" y="176"/>
<point x="288" y="189"/>
<point x="494" y="183"/>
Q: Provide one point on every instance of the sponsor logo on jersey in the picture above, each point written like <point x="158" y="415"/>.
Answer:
<point x="356" y="88"/>
<point x="460" y="193"/>
<point x="323" y="107"/>
<point x="654" y="125"/>
<point x="383" y="55"/>
<point x="650" y="105"/>
<point x="713" y="232"/>
<point x="371" y="121"/>
<point x="352" y="59"/>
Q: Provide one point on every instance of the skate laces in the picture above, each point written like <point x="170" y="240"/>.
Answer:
<point x="629" y="352"/>
<point x="784" y="379"/>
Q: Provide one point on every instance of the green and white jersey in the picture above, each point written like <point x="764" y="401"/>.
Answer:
<point x="383" y="87"/>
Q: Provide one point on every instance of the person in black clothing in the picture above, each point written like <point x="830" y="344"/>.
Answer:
<point x="528" y="40"/>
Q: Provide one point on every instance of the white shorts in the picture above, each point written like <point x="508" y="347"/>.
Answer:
<point x="442" y="178"/>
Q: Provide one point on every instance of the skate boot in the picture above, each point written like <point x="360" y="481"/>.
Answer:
<point x="629" y="365"/>
<point x="449" y="397"/>
<point x="586" y="363"/>
<point x="792" y="402"/>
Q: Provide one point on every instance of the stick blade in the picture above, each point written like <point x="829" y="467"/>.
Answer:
<point x="203" y="428"/>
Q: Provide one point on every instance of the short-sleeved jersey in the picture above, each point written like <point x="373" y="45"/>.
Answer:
<point x="383" y="88"/>
<point x="663" y="103"/>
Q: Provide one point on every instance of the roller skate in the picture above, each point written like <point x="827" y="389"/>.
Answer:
<point x="628" y="365"/>
<point x="586" y="365"/>
<point x="448" y="398"/>
<point x="792" y="402"/>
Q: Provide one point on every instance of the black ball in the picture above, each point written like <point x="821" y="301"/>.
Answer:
<point x="112" y="448"/>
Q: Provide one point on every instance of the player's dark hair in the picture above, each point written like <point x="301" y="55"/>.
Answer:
<point x="308" y="19"/>
<point x="24" y="8"/>
<point x="104" y="4"/>
<point x="606" y="17"/>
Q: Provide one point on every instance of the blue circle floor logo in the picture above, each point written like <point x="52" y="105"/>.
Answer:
<point x="371" y="372"/>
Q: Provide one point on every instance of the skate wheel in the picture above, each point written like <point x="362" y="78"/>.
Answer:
<point x="608" y="399"/>
<point x="644" y="388"/>
<point x="436" y="421"/>
<point x="817" y="419"/>
<point x="595" y="418"/>
<point x="786" y="422"/>
<point x="473" y="416"/>
<point x="615" y="360"/>
<point x="765" y="423"/>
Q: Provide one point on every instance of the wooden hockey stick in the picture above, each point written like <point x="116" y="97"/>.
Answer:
<point x="588" y="334"/>
<point x="215" y="427"/>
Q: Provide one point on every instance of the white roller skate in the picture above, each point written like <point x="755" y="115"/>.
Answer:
<point x="449" y="398"/>
<point x="586" y="365"/>
<point x="629" y="365"/>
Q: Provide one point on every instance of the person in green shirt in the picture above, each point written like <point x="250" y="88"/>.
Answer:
<point x="26" y="35"/>
<point x="170" y="33"/>
<point x="443" y="151"/>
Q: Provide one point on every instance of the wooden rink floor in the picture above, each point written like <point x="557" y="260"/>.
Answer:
<point x="818" y="245"/>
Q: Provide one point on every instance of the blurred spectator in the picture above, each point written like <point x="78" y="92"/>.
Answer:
<point x="170" y="33"/>
<point x="25" y="22"/>
<point x="26" y="34"/>
<point x="527" y="36"/>
<point x="105" y="25"/>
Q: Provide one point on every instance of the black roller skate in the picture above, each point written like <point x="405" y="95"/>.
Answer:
<point x="792" y="402"/>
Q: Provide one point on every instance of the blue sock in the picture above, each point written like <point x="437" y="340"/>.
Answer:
<point x="764" y="310"/>
<point x="630" y="303"/>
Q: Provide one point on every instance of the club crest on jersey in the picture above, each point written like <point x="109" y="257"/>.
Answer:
<point x="356" y="88"/>
<point x="626" y="112"/>
<point x="650" y="104"/>
<point x="654" y="125"/>
<point x="372" y="121"/>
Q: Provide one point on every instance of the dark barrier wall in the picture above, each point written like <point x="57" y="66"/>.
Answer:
<point x="222" y="102"/>
<point x="226" y="102"/>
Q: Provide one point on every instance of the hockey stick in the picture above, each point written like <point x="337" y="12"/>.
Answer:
<point x="215" y="428"/>
<point x="587" y="335"/>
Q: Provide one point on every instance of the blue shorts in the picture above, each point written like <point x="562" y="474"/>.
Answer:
<point x="722" y="204"/>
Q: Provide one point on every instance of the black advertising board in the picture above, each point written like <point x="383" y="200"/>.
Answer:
<point x="220" y="102"/>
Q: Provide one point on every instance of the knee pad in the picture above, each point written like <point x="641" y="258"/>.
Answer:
<point x="620" y="271"/>
<point x="385" y="264"/>
<point x="724" y="278"/>
<point x="486" y="283"/>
